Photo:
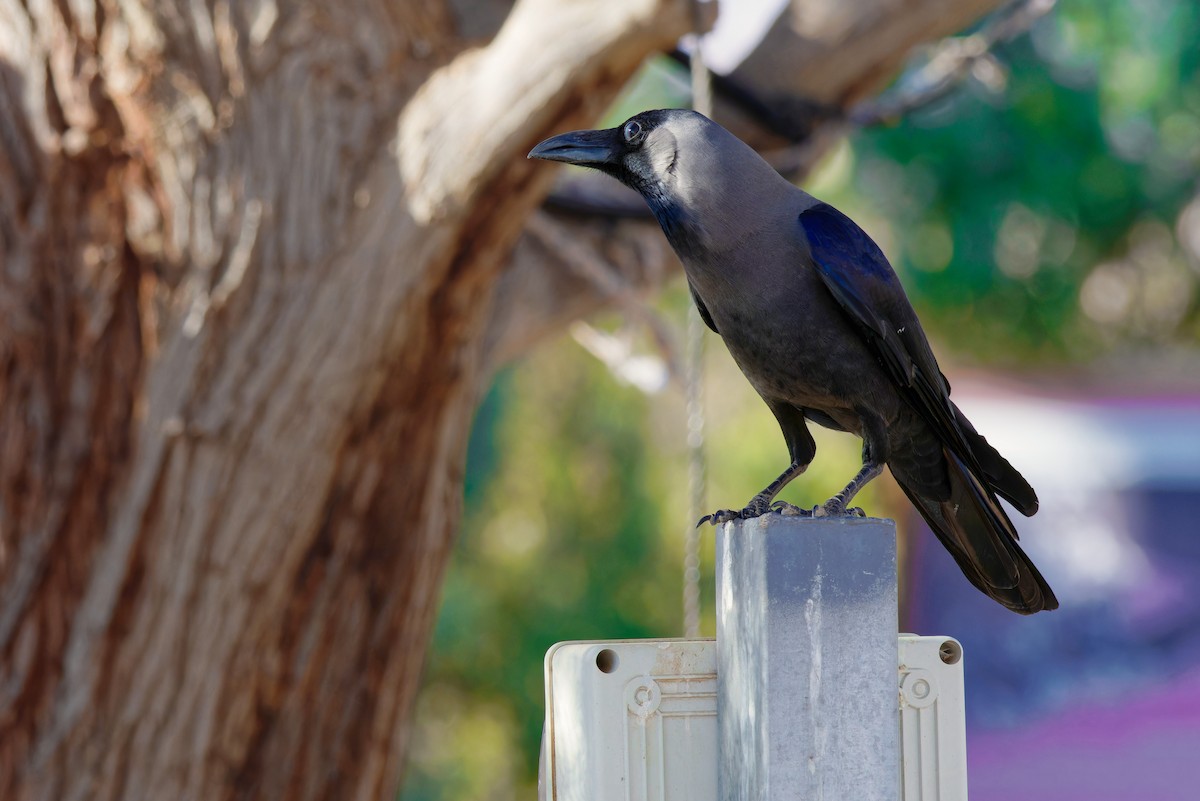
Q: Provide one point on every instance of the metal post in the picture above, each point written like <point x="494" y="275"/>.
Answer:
<point x="806" y="653"/>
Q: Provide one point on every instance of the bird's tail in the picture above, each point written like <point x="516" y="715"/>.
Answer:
<point x="977" y="532"/>
<point x="1001" y="476"/>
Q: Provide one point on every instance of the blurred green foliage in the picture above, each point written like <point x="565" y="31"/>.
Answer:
<point x="1049" y="222"/>
<point x="560" y="540"/>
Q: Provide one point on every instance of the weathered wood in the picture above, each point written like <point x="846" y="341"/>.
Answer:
<point x="249" y="251"/>
<point x="250" y="258"/>
<point x="832" y="53"/>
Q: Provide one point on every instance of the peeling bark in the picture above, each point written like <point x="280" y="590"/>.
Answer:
<point x="253" y="282"/>
<point x="248" y="253"/>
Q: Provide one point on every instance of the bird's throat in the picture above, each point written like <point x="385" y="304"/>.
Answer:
<point x="681" y="229"/>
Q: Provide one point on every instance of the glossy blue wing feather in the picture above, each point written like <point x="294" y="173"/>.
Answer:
<point x="862" y="281"/>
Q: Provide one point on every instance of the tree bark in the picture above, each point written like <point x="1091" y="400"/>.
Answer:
<point x="251" y="253"/>
<point x="248" y="253"/>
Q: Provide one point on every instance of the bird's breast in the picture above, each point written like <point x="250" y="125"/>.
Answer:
<point x="785" y="331"/>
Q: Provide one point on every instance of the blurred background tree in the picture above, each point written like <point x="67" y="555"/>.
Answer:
<point x="1045" y="217"/>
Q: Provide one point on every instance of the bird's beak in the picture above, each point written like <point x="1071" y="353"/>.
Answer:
<point x="585" y="148"/>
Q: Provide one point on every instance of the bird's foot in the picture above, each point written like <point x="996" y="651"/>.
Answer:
<point x="719" y="517"/>
<point x="790" y="510"/>
<point x="836" y="507"/>
<point x="757" y="507"/>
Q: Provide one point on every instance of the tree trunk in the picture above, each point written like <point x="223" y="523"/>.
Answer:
<point x="250" y="252"/>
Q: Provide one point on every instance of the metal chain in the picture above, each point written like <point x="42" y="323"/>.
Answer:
<point x="693" y="371"/>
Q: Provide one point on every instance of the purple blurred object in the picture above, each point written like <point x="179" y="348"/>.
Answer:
<point x="1100" y="700"/>
<point x="1145" y="746"/>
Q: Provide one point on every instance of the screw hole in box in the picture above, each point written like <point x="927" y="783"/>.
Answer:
<point x="607" y="660"/>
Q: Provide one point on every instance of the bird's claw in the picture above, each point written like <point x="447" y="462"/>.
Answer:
<point x="720" y="517"/>
<point x="831" y="508"/>
<point x="757" y="507"/>
<point x="790" y="510"/>
<point x="835" y="507"/>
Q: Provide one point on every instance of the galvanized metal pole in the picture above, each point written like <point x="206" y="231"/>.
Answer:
<point x="806" y="651"/>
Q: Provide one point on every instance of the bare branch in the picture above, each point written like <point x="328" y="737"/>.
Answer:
<point x="819" y="56"/>
<point x="649" y="373"/>
<point x="586" y="263"/>
<point x="811" y="126"/>
<point x="953" y="61"/>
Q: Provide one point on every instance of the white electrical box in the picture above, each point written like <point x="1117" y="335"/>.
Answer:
<point x="933" y="727"/>
<point x="636" y="720"/>
<point x="632" y="719"/>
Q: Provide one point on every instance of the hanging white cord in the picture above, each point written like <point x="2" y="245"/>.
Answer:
<point x="695" y="442"/>
<point x="702" y="102"/>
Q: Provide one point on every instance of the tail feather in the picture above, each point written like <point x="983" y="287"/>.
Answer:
<point x="1001" y="476"/>
<point x="975" y="529"/>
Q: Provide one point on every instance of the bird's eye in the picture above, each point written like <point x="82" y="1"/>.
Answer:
<point x="632" y="130"/>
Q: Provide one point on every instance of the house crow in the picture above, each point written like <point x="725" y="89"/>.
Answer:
<point x="818" y="322"/>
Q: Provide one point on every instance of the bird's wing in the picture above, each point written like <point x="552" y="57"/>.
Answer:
<point x="859" y="277"/>
<point x="969" y="522"/>
<point x="704" y="315"/>
<point x="864" y="284"/>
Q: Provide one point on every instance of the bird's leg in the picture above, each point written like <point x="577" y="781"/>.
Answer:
<point x="837" y="505"/>
<point x="760" y="504"/>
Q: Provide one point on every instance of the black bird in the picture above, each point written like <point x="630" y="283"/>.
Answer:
<point x="818" y="322"/>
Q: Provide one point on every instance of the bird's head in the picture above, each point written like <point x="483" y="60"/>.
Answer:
<point x="642" y="153"/>
<point x="689" y="169"/>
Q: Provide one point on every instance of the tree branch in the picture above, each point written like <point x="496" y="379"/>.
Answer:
<point x="818" y="59"/>
<point x="951" y="62"/>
